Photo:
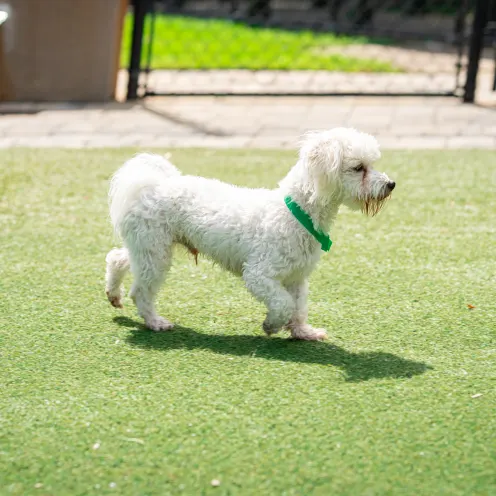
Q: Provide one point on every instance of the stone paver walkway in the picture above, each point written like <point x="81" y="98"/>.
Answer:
<point x="267" y="122"/>
<point x="425" y="72"/>
<point x="239" y="81"/>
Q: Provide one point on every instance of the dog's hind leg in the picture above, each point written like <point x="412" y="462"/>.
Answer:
<point x="298" y="325"/>
<point x="279" y="302"/>
<point x="117" y="266"/>
<point x="151" y="258"/>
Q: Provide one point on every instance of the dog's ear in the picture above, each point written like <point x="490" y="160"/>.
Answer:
<point x="323" y="154"/>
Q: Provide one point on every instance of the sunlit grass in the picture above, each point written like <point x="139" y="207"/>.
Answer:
<point x="191" y="43"/>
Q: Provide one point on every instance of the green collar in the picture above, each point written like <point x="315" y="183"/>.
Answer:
<point x="306" y="221"/>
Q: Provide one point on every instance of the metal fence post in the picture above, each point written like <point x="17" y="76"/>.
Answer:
<point x="476" y="46"/>
<point x="139" y="15"/>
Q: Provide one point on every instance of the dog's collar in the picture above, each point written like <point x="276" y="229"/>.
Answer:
<point x="306" y="221"/>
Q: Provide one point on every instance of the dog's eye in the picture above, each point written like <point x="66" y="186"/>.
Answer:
<point x="359" y="168"/>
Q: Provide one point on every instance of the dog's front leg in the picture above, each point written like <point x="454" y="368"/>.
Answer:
<point x="279" y="302"/>
<point x="298" y="325"/>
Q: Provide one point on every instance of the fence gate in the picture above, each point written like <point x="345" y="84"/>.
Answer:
<point x="305" y="47"/>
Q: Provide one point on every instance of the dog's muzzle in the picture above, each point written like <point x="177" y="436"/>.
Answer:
<point x="372" y="206"/>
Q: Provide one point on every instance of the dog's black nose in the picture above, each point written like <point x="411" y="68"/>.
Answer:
<point x="391" y="185"/>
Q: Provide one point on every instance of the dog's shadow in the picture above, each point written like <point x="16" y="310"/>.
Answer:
<point x="356" y="366"/>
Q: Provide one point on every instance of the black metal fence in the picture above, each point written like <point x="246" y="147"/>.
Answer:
<point x="393" y="47"/>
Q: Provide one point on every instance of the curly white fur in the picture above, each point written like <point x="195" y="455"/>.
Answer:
<point x="249" y="232"/>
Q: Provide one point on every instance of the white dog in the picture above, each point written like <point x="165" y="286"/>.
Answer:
<point x="272" y="238"/>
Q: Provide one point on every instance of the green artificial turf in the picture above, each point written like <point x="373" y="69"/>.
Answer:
<point x="399" y="401"/>
<point x="189" y="43"/>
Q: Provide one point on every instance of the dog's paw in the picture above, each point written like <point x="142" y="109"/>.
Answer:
<point x="269" y="329"/>
<point x="319" y="334"/>
<point x="115" y="299"/>
<point x="307" y="333"/>
<point x="158" y="324"/>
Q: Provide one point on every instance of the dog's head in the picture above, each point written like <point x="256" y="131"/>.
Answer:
<point x="338" y="164"/>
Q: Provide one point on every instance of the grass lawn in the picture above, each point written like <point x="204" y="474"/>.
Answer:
<point x="399" y="401"/>
<point x="189" y="43"/>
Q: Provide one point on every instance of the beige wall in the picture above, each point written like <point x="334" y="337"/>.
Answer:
<point x="60" y="50"/>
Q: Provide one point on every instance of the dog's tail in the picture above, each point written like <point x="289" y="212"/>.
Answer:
<point x="142" y="173"/>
